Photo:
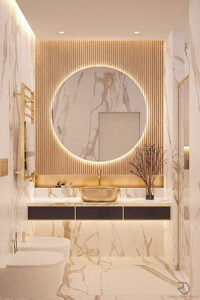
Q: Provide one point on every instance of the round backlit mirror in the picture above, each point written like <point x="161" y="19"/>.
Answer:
<point x="99" y="114"/>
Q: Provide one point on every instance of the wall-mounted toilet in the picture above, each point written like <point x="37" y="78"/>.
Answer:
<point x="55" y="244"/>
<point x="35" y="274"/>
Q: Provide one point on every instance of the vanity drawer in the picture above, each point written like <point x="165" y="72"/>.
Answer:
<point x="147" y="213"/>
<point x="99" y="213"/>
<point x="51" y="213"/>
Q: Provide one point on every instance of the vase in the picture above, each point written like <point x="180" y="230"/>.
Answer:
<point x="149" y="197"/>
<point x="149" y="194"/>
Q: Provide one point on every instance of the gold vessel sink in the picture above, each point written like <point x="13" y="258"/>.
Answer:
<point x="99" y="193"/>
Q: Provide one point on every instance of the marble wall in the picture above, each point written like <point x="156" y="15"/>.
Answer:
<point x="17" y="47"/>
<point x="176" y="68"/>
<point x="194" y="132"/>
<point x="183" y="59"/>
<point x="113" y="259"/>
<point x="97" y="239"/>
<point x="105" y="238"/>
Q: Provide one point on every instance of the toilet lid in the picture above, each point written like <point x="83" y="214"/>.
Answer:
<point x="34" y="259"/>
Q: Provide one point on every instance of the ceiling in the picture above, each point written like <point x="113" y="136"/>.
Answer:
<point x="104" y="19"/>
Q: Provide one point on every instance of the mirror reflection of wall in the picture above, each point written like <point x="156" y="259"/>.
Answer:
<point x="86" y="100"/>
<point x="117" y="133"/>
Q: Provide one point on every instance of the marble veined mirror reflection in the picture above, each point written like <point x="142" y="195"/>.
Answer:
<point x="99" y="113"/>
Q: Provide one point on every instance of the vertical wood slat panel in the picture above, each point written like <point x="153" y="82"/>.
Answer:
<point x="143" y="61"/>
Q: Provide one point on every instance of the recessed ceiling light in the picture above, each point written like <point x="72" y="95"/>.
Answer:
<point x="136" y="32"/>
<point x="61" y="32"/>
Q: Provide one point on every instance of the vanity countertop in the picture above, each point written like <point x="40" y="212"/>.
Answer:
<point x="76" y="201"/>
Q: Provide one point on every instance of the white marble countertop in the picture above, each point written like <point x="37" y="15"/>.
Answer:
<point x="76" y="201"/>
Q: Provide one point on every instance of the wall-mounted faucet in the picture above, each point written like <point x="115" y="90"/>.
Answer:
<point x="99" y="177"/>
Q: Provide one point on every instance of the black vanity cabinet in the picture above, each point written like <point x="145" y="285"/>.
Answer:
<point x="98" y="212"/>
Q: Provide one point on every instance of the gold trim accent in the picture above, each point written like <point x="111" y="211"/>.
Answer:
<point x="98" y="205"/>
<point x="24" y="100"/>
<point x="183" y="80"/>
<point x="90" y="220"/>
<point x="186" y="157"/>
<point x="23" y="236"/>
<point x="123" y="213"/>
<point x="28" y="116"/>
<point x="92" y="180"/>
<point x="179" y="178"/>
<point x="3" y="167"/>
<point x="27" y="106"/>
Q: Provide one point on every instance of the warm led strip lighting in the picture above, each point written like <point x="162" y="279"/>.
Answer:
<point x="20" y="17"/>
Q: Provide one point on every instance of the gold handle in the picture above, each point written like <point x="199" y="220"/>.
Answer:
<point x="24" y="234"/>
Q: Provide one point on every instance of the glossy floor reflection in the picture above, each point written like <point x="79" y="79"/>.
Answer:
<point x="104" y="278"/>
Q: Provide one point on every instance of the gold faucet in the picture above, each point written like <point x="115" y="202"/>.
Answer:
<point x="99" y="177"/>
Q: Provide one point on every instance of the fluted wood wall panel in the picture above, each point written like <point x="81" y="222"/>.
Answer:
<point x="56" y="60"/>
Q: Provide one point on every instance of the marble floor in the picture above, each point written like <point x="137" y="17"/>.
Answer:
<point x="120" y="278"/>
<point x="127" y="298"/>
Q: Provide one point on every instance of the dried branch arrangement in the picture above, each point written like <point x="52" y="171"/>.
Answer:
<point x="147" y="164"/>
